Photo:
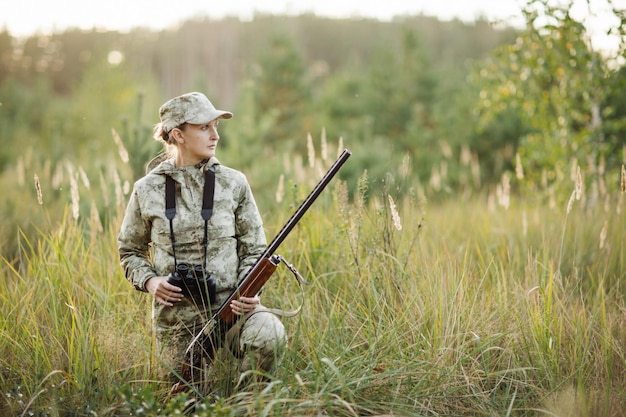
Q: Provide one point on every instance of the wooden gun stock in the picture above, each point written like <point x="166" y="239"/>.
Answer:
<point x="255" y="280"/>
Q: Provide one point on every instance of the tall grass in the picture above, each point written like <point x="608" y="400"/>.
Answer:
<point x="461" y="307"/>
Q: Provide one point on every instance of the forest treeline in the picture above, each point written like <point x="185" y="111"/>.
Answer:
<point x="285" y="77"/>
<point x="221" y="53"/>
<point x="461" y="105"/>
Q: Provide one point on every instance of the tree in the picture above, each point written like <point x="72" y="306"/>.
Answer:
<point x="557" y="84"/>
<point x="553" y="80"/>
<point x="282" y="89"/>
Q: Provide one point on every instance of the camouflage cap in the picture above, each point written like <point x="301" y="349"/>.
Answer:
<point x="194" y="108"/>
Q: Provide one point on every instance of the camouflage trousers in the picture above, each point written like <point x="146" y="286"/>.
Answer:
<point x="249" y="351"/>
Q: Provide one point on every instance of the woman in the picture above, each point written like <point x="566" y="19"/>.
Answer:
<point x="221" y="242"/>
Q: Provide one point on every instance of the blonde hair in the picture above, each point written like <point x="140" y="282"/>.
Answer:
<point x="162" y="135"/>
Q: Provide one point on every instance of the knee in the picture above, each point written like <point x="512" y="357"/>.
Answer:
<point x="262" y="342"/>
<point x="263" y="331"/>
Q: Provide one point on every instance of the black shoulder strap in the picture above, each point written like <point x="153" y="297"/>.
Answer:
<point x="208" y="195"/>
<point x="170" y="197"/>
<point x="170" y="209"/>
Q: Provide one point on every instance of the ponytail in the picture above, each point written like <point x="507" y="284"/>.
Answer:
<point x="161" y="135"/>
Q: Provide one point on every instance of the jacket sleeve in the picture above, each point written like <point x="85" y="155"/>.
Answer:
<point x="134" y="245"/>
<point x="251" y="242"/>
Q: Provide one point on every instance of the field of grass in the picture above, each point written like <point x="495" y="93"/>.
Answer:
<point x="468" y="306"/>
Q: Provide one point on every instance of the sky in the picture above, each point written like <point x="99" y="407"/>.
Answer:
<point x="25" y="17"/>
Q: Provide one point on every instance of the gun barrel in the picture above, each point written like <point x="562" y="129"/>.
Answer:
<point x="306" y="204"/>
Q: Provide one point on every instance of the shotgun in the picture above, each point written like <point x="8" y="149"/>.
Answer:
<point x="262" y="270"/>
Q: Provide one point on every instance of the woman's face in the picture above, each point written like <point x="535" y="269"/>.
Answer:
<point x="197" y="142"/>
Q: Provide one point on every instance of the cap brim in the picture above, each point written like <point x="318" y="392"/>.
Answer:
<point x="206" y="118"/>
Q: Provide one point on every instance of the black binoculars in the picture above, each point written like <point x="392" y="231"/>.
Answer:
<point x="194" y="282"/>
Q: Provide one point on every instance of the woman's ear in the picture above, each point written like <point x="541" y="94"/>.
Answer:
<point x="177" y="135"/>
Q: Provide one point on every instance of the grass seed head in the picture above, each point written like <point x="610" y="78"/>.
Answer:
<point x="75" y="197"/>
<point x="94" y="220"/>
<point x="280" y="191"/>
<point x="395" y="216"/>
<point x="570" y="203"/>
<point x="519" y="170"/>
<point x="579" y="184"/>
<point x="310" y="150"/>
<point x="84" y="178"/>
<point x="38" y="188"/>
<point x="120" y="146"/>
<point x="340" y="148"/>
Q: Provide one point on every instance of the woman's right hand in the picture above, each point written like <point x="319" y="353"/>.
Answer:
<point x="164" y="292"/>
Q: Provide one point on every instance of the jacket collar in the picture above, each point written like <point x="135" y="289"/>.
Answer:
<point x="168" y="167"/>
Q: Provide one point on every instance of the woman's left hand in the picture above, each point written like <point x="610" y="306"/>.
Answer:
<point x="245" y="305"/>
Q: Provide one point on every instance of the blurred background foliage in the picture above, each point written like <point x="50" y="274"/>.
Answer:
<point x="456" y="103"/>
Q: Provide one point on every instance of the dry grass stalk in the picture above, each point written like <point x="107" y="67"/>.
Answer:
<point x="95" y="223"/>
<point x="320" y="171"/>
<point x="579" y="184"/>
<point x="466" y="156"/>
<point x="280" y="191"/>
<point x="395" y="216"/>
<point x="120" y="146"/>
<point x="570" y="203"/>
<point x="503" y="191"/>
<point x="38" y="188"/>
<point x="519" y="170"/>
<point x="119" y="195"/>
<point x="84" y="178"/>
<point x="362" y="186"/>
<point x="310" y="150"/>
<point x="75" y="197"/>
<point x="340" y="148"/>
<point x="104" y="188"/>
<point x="435" y="179"/>
<point x="298" y="169"/>
<point x="623" y="179"/>
<point x="603" y="234"/>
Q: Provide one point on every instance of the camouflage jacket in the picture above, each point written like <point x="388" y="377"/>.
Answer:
<point x="235" y="231"/>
